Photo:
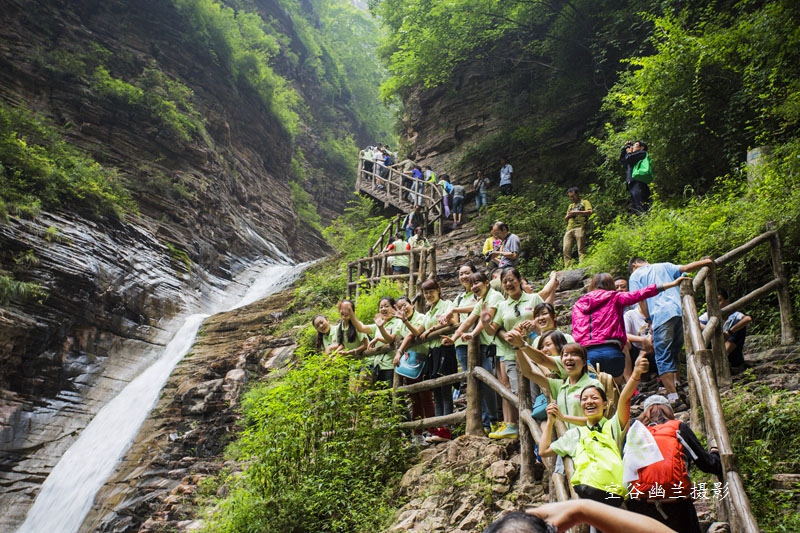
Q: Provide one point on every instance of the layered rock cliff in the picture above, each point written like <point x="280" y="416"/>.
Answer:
<point x="212" y="193"/>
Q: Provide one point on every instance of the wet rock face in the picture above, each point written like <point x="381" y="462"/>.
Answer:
<point x="113" y="285"/>
<point x="182" y="441"/>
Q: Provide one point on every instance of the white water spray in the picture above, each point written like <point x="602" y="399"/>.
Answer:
<point x="68" y="492"/>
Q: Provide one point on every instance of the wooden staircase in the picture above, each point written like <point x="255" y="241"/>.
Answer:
<point x="392" y="187"/>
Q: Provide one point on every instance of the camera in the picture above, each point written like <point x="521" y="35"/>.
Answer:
<point x="628" y="144"/>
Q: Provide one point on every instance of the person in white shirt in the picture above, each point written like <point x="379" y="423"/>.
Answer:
<point x="505" y="176"/>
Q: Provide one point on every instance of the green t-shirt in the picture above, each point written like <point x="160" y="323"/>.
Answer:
<point x="491" y="301"/>
<point x="567" y="395"/>
<point x="416" y="320"/>
<point x="509" y="314"/>
<point x="580" y="220"/>
<point x="329" y="338"/>
<point x="399" y="260"/>
<point x="384" y="361"/>
<point x="432" y="319"/>
<point x="465" y="299"/>
<point x="598" y="457"/>
<point x="347" y="344"/>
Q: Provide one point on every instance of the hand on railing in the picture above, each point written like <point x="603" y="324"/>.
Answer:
<point x="673" y="283"/>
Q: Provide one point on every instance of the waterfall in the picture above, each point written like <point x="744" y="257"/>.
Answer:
<point x="68" y="492"/>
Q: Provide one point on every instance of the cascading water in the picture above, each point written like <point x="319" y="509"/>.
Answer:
<point x="68" y="492"/>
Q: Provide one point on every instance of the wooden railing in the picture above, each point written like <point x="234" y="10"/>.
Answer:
<point x="369" y="271"/>
<point x="394" y="226"/>
<point x="401" y="191"/>
<point x="708" y="368"/>
<point x="530" y="431"/>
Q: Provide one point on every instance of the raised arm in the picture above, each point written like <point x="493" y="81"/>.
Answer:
<point x="531" y="371"/>
<point x="547" y="431"/>
<point x="564" y="515"/>
<point x="624" y="405"/>
<point x="691" y="267"/>
<point x="360" y="326"/>
<point x="548" y="292"/>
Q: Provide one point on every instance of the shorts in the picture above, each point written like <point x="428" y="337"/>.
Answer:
<point x="667" y="343"/>
<point x="458" y="204"/>
<point x="606" y="358"/>
<point x="512" y="373"/>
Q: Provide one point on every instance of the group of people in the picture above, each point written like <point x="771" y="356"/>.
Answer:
<point x="380" y="159"/>
<point x="586" y="376"/>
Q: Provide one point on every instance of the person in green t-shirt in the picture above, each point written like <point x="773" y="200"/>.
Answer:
<point x="486" y="301"/>
<point x="348" y="339"/>
<point x="326" y="334"/>
<point x="516" y="310"/>
<point x="577" y="218"/>
<point x="441" y="358"/>
<point x="596" y="448"/>
<point x="399" y="262"/>
<point x="412" y="325"/>
<point x="382" y="334"/>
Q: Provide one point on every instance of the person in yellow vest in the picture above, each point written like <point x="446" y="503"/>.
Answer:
<point x="577" y="218"/>
<point x="596" y="448"/>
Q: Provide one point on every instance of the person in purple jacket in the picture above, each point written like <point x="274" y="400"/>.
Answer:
<point x="598" y="323"/>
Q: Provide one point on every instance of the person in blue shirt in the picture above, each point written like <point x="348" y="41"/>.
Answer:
<point x="664" y="313"/>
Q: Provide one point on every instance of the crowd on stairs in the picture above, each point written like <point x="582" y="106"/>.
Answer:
<point x="625" y="338"/>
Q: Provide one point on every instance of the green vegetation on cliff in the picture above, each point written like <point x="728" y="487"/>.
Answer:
<point x="322" y="449"/>
<point x="39" y="169"/>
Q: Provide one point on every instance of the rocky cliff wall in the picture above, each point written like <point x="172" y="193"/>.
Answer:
<point x="209" y="205"/>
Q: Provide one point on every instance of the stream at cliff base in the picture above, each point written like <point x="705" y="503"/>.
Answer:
<point x="68" y="492"/>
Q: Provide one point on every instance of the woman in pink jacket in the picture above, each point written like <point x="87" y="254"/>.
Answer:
<point x="598" y="325"/>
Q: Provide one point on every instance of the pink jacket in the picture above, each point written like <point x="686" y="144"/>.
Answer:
<point x="597" y="315"/>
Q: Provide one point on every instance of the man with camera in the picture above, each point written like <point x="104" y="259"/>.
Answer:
<point x="637" y="174"/>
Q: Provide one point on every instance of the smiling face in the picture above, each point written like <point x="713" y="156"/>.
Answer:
<point x="463" y="277"/>
<point x="512" y="286"/>
<point x="621" y="285"/>
<point x="573" y="361"/>
<point x="549" y="347"/>
<point x="480" y="288"/>
<point x="593" y="404"/>
<point x="322" y="325"/>
<point x="385" y="308"/>
<point x="431" y="296"/>
<point x="345" y="310"/>
<point x="404" y="307"/>
<point x="544" y="321"/>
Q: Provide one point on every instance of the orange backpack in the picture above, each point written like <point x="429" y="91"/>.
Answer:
<point x="668" y="477"/>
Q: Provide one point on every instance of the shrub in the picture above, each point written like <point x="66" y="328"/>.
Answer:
<point x="320" y="453"/>
<point x="12" y="289"/>
<point x="369" y="300"/>
<point x="39" y="169"/>
<point x="160" y="98"/>
<point x="762" y="425"/>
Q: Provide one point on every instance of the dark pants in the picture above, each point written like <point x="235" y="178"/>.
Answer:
<point x="681" y="514"/>
<point x="506" y="189"/>
<point x="640" y="196"/>
<point x="736" y="357"/>
<point x="385" y="376"/>
<point x="441" y="362"/>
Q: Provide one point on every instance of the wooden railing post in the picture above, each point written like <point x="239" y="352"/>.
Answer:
<point x="784" y="303"/>
<point x="474" y="423"/>
<point x="432" y="262"/>
<point x="526" y="456"/>
<point x="722" y="369"/>
<point x="695" y="420"/>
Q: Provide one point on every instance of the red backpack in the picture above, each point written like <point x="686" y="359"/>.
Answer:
<point x="668" y="477"/>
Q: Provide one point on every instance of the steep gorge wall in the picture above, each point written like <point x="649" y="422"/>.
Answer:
<point x="208" y="206"/>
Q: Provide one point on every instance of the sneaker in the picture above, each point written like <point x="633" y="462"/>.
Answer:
<point x="509" y="431"/>
<point x="440" y="434"/>
<point x="497" y="426"/>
